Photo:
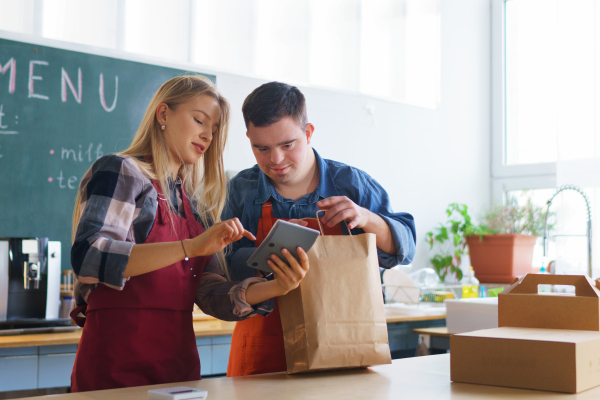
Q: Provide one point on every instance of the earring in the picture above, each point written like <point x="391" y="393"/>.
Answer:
<point x="162" y="127"/>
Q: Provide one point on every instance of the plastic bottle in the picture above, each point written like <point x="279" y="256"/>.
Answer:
<point x="470" y="285"/>
<point x="483" y="291"/>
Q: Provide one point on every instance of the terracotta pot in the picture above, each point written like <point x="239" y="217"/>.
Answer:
<point x="501" y="258"/>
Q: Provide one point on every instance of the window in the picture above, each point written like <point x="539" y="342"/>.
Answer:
<point x="551" y="82"/>
<point x="17" y="16"/>
<point x="388" y="49"/>
<point x="89" y="22"/>
<point x="545" y="83"/>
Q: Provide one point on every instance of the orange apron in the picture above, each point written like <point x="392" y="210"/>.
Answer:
<point x="257" y="342"/>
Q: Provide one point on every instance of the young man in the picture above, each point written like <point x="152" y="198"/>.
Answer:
<point x="291" y="181"/>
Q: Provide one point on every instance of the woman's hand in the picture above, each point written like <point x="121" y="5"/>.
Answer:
<point x="216" y="238"/>
<point x="288" y="277"/>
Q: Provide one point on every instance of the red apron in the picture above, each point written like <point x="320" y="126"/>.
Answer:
<point x="257" y="342"/>
<point x="143" y="334"/>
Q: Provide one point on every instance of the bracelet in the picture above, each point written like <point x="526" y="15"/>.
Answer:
<point x="183" y="247"/>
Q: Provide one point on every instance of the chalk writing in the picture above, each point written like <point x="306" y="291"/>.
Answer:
<point x="33" y="78"/>
<point x="82" y="154"/>
<point x="2" y="126"/>
<point x="78" y="155"/>
<point x="2" y="115"/>
<point x="70" y="181"/>
<point x="12" y="80"/>
<point x="65" y="83"/>
<point x="102" y="100"/>
<point x="65" y="80"/>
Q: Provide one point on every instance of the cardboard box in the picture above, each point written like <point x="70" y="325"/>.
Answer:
<point x="466" y="315"/>
<point x="544" y="359"/>
<point x="520" y="305"/>
<point x="544" y="342"/>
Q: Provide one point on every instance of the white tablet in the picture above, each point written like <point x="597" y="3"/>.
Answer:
<point x="283" y="235"/>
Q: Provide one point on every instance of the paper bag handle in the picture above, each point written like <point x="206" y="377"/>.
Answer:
<point x="528" y="284"/>
<point x="321" y="227"/>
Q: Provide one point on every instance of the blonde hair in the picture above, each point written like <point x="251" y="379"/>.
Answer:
<point x="204" y="181"/>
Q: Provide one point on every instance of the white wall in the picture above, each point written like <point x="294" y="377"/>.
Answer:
<point x="425" y="158"/>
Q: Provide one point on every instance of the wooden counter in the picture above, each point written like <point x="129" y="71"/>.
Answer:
<point x="410" y="378"/>
<point x="204" y="325"/>
<point x="441" y="332"/>
<point x="391" y="318"/>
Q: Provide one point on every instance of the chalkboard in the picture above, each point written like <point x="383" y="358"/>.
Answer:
<point x="60" y="110"/>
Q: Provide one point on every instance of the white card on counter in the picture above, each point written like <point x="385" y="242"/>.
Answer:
<point x="177" y="393"/>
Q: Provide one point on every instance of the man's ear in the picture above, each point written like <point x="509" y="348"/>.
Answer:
<point x="310" y="129"/>
<point x="247" y="135"/>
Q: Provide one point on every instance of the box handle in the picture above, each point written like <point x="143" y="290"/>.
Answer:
<point x="528" y="284"/>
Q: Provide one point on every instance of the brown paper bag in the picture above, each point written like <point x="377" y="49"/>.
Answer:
<point x="336" y="319"/>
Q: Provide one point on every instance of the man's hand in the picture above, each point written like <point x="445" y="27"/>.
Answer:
<point x="341" y="208"/>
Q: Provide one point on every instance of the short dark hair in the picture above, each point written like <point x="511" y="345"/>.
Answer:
<point x="272" y="101"/>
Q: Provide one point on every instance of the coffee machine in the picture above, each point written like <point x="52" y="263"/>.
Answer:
<point x="29" y="285"/>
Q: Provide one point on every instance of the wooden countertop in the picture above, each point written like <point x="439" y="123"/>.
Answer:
<point x="408" y="378"/>
<point x="441" y="332"/>
<point x="207" y="326"/>
<point x="204" y="325"/>
<point x="395" y="314"/>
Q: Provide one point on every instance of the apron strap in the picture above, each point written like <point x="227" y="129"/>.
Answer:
<point x="266" y="222"/>
<point x="189" y="215"/>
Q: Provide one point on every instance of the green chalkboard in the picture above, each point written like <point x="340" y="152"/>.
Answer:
<point x="60" y="110"/>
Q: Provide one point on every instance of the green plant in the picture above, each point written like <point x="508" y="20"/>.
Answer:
<point x="449" y="239"/>
<point x="526" y="219"/>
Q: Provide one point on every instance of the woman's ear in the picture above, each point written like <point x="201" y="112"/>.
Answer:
<point x="161" y="113"/>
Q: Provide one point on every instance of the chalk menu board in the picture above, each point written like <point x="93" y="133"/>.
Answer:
<point x="60" y="110"/>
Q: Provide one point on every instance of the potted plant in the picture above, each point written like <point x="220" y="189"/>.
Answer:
<point x="449" y="240"/>
<point x="506" y="250"/>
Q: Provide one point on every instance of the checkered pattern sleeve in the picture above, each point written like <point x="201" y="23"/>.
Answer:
<point x="226" y="300"/>
<point x="118" y="206"/>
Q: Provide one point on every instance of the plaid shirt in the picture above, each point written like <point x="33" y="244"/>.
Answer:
<point x="119" y="206"/>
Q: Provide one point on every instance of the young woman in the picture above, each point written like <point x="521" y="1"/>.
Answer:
<point x="148" y="243"/>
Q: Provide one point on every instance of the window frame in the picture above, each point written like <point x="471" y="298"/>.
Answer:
<point x="37" y="17"/>
<point x="517" y="176"/>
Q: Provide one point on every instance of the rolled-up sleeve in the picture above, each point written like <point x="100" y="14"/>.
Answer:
<point x="402" y="225"/>
<point x="104" y="237"/>
<point x="226" y="300"/>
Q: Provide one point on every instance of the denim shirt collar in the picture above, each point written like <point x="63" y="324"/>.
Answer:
<point x="326" y="187"/>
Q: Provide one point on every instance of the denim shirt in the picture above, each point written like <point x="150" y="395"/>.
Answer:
<point x="250" y="188"/>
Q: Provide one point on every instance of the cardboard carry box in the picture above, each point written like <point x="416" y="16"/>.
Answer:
<point x="544" y="359"/>
<point x="520" y="305"/>
<point x="544" y="341"/>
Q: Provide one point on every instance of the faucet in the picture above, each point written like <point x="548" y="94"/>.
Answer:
<point x="589" y="222"/>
